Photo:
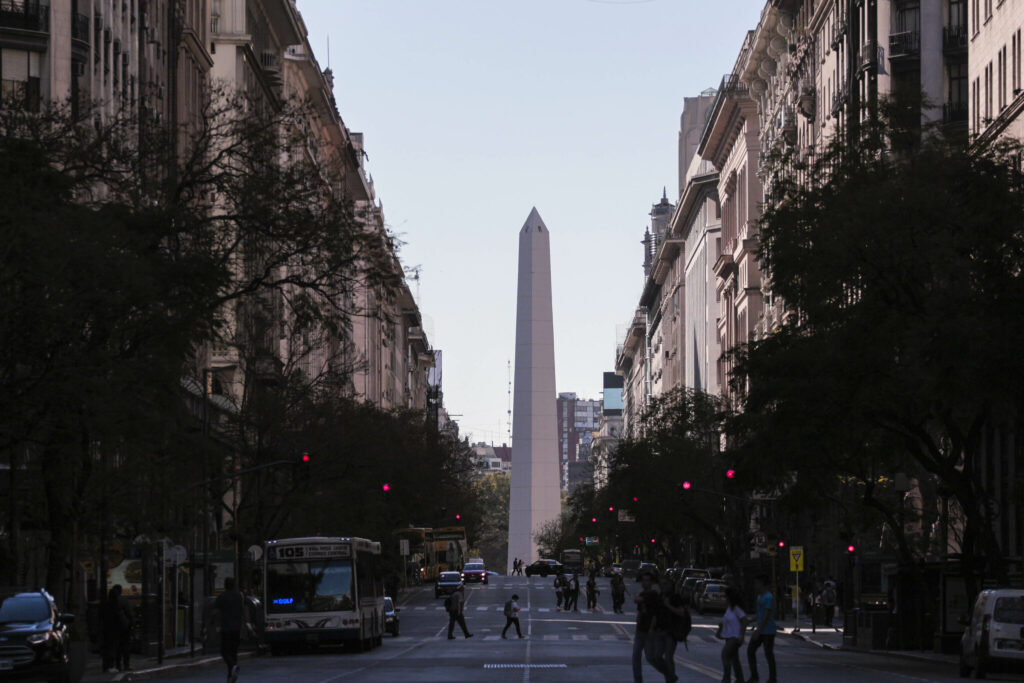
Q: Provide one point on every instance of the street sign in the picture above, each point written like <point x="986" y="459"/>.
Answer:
<point x="591" y="540"/>
<point x="760" y="539"/>
<point x="796" y="558"/>
<point x="403" y="547"/>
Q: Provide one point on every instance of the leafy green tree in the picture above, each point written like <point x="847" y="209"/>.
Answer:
<point x="901" y="265"/>
<point x="491" y="535"/>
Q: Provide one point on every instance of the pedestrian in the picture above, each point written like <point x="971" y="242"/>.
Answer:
<point x="117" y="617"/>
<point x="515" y="565"/>
<point x="731" y="631"/>
<point x="522" y="563"/>
<point x="828" y="601"/>
<point x="661" y="643"/>
<point x="647" y="601"/>
<point x="592" y="593"/>
<point x="764" y="630"/>
<point x="574" y="592"/>
<point x="559" y="591"/>
<point x="618" y="593"/>
<point x="512" y="616"/>
<point x="456" y="603"/>
<point x="229" y="607"/>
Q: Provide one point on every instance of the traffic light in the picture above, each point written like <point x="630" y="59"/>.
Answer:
<point x="301" y="468"/>
<point x="458" y="516"/>
<point x="386" y="487"/>
<point x="730" y="474"/>
<point x="634" y="499"/>
<point x="611" y="508"/>
<point x="851" y="549"/>
<point x="782" y="544"/>
<point x="593" y="519"/>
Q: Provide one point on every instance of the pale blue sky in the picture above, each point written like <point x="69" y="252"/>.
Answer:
<point x="475" y="111"/>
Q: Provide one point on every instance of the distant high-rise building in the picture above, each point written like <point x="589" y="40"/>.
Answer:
<point x="578" y="419"/>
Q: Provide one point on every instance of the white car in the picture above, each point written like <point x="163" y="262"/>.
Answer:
<point x="995" y="633"/>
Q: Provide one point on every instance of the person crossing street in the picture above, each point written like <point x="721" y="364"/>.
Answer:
<point x="512" y="616"/>
<point x="455" y="613"/>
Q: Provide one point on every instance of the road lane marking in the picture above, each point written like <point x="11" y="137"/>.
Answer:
<point x="580" y="637"/>
<point x="699" y="668"/>
<point x="551" y="636"/>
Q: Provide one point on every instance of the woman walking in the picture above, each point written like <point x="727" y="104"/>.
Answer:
<point x="734" y="622"/>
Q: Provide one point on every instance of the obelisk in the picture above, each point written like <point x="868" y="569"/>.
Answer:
<point x="535" y="497"/>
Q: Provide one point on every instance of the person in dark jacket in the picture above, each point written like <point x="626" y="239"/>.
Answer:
<point x="117" y="619"/>
<point x="229" y="606"/>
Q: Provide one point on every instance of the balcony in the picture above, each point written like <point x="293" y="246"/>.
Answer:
<point x="954" y="38"/>
<point x="868" y="57"/>
<point x="27" y="15"/>
<point x="954" y="112"/>
<point x="905" y="45"/>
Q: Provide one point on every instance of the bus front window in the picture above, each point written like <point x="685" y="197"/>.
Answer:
<point x="321" y="586"/>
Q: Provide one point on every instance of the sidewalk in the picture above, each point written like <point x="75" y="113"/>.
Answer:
<point x="831" y="639"/>
<point x="175" y="659"/>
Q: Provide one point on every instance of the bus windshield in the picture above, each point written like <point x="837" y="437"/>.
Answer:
<point x="310" y="586"/>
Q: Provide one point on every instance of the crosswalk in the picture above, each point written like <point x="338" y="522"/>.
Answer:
<point x="499" y="608"/>
<point x="695" y="639"/>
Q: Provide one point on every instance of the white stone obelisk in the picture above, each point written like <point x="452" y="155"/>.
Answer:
<point x="535" y="497"/>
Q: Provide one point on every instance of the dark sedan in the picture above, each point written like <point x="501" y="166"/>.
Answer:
<point x="544" y="568"/>
<point x="33" y="637"/>
<point x="447" y="583"/>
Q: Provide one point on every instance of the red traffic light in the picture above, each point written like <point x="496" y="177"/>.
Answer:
<point x="687" y="485"/>
<point x="611" y="509"/>
<point x="782" y="544"/>
<point x="305" y="457"/>
<point x="593" y="519"/>
<point x="729" y="474"/>
<point x="385" y="488"/>
<point x="850" y="548"/>
<point x="653" y="541"/>
<point x="458" y="516"/>
<point x="634" y="499"/>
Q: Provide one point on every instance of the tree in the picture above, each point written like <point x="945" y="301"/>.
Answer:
<point x="900" y="259"/>
<point x="492" y="494"/>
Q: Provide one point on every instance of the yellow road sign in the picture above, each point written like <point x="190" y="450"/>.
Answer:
<point x="796" y="558"/>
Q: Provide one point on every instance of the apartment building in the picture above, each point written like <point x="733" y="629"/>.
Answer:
<point x="577" y="419"/>
<point x="994" y="68"/>
<point x="609" y="432"/>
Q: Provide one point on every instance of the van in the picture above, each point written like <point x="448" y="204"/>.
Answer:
<point x="994" y="636"/>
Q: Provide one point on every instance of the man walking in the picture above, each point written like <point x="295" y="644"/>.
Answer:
<point x="828" y="601"/>
<point x="515" y="565"/>
<point x="592" y="593"/>
<point x="458" y="601"/>
<point x="228" y="606"/>
<point x="647" y="604"/>
<point x="764" y="630"/>
<point x="512" y="616"/>
<point x="574" y="593"/>
<point x="560" y="585"/>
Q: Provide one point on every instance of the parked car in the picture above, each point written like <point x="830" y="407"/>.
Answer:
<point x="447" y="583"/>
<point x="611" y="569"/>
<point x="35" y="636"/>
<point x="647" y="568"/>
<point x="630" y="567"/>
<point x="994" y="637"/>
<point x="474" y="571"/>
<point x="686" y="588"/>
<point x="544" y="568"/>
<point x="391" y="616"/>
<point x="712" y="597"/>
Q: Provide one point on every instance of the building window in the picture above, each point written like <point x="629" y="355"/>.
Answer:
<point x="957" y="13"/>
<point x="988" y="10"/>
<point x="1015" y="63"/>
<point x="975" y="18"/>
<point x="20" y="85"/>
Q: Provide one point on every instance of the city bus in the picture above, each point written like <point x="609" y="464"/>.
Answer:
<point x="322" y="591"/>
<point x="449" y="549"/>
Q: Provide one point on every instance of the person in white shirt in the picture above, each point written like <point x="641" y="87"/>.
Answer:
<point x="734" y="622"/>
<point x="512" y="616"/>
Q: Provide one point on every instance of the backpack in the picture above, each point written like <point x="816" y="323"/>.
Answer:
<point x="508" y="608"/>
<point x="681" y="627"/>
<point x="448" y="604"/>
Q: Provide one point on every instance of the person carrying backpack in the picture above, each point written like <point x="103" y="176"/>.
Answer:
<point x="454" y="604"/>
<point x="512" y="616"/>
<point x="828" y="601"/>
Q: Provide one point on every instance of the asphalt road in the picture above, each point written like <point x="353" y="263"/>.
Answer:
<point x="575" y="646"/>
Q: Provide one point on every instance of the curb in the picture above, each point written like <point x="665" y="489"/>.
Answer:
<point x="167" y="667"/>
<point x="899" y="654"/>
